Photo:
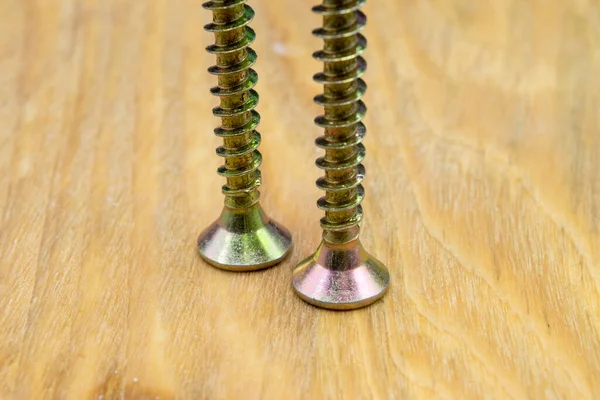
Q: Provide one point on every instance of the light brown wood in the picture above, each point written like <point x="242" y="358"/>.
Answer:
<point x="483" y="198"/>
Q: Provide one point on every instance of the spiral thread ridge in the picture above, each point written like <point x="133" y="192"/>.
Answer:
<point x="238" y="100"/>
<point x="342" y="119"/>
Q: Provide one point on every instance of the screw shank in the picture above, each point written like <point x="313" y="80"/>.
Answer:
<point x="344" y="110"/>
<point x="236" y="79"/>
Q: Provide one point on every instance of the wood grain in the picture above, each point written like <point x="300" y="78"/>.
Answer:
<point x="483" y="198"/>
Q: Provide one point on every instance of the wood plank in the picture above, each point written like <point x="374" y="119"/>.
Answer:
<point x="483" y="198"/>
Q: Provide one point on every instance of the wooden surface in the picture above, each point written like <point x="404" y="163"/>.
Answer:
<point x="483" y="198"/>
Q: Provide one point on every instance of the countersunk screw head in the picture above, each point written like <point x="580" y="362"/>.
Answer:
<point x="244" y="240"/>
<point x="341" y="277"/>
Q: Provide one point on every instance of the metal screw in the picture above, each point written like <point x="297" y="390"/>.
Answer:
<point x="243" y="238"/>
<point x="341" y="274"/>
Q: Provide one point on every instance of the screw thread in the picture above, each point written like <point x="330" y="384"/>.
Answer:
<point x="342" y="119"/>
<point x="238" y="100"/>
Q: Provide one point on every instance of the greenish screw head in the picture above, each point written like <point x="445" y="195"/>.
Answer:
<point x="244" y="240"/>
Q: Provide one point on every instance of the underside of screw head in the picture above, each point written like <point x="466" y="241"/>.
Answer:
<point x="244" y="240"/>
<point x="341" y="277"/>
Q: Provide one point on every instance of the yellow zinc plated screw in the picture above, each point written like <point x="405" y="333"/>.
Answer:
<point x="341" y="275"/>
<point x="243" y="238"/>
